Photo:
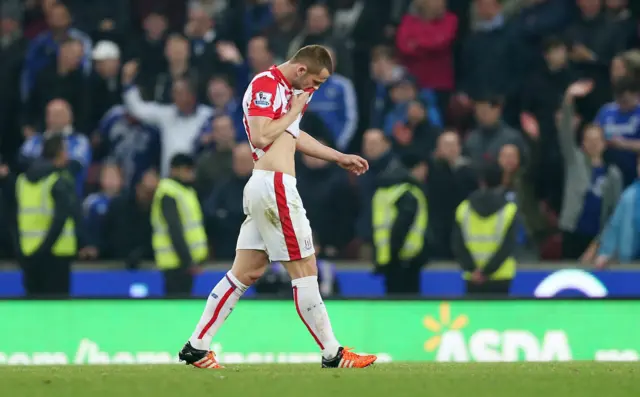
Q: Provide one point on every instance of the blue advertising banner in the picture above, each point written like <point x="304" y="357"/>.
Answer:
<point x="354" y="283"/>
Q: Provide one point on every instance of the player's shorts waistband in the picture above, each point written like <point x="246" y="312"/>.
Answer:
<point x="271" y="174"/>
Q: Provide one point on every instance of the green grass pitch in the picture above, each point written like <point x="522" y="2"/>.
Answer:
<point x="385" y="380"/>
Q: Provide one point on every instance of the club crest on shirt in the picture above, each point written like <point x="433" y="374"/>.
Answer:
<point x="262" y="99"/>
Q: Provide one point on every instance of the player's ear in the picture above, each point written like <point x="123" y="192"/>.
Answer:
<point x="302" y="70"/>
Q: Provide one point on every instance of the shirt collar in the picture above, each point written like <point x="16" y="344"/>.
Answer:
<point x="279" y="76"/>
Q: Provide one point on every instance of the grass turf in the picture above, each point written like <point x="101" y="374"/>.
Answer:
<point x="388" y="380"/>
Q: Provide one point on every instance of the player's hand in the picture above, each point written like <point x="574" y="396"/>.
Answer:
<point x="353" y="163"/>
<point x="129" y="71"/>
<point x="299" y="101"/>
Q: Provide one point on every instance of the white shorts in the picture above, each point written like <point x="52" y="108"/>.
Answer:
<point x="276" y="220"/>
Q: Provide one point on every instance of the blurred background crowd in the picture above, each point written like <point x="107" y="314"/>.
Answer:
<point x="546" y="89"/>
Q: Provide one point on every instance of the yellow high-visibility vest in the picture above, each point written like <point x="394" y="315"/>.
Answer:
<point x="35" y="214"/>
<point x="483" y="237"/>
<point x="192" y="224"/>
<point x="384" y="215"/>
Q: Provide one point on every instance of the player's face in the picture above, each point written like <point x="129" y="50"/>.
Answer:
<point x="308" y="80"/>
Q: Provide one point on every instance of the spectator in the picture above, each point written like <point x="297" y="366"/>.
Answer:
<point x="425" y="41"/>
<point x="259" y="59"/>
<point x="531" y="228"/>
<point x="175" y="11"/>
<point x="595" y="40"/>
<point x="626" y="64"/>
<point x="620" y="121"/>
<point x="149" y="51"/>
<point x="224" y="205"/>
<point x="400" y="219"/>
<point x="215" y="146"/>
<point x="127" y="228"/>
<point x="34" y="16"/>
<point x="402" y="93"/>
<point x="592" y="187"/>
<point x="536" y="21"/>
<point x="224" y="103"/>
<point x="106" y="90"/>
<point x="179" y="123"/>
<point x="484" y="236"/>
<point x="417" y="138"/>
<point x="179" y="239"/>
<point x="336" y="104"/>
<point x="490" y="60"/>
<point x="59" y="118"/>
<point x="285" y="27"/>
<point x="132" y="145"/>
<point x="376" y="148"/>
<point x="102" y="19"/>
<point x="451" y="179"/>
<point x="178" y="54"/>
<point x="330" y="200"/>
<point x="318" y="30"/>
<point x="96" y="206"/>
<point x="63" y="80"/>
<point x="42" y="49"/>
<point x="49" y="239"/>
<point x="619" y="239"/>
<point x="542" y="95"/>
<point x="204" y="39"/>
<point x="12" y="48"/>
<point x="619" y="12"/>
<point x="484" y="143"/>
<point x="385" y="71"/>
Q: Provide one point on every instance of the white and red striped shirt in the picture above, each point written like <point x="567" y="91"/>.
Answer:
<point x="268" y="95"/>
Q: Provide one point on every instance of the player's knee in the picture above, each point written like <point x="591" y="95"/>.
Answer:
<point x="300" y="268"/>
<point x="249" y="266"/>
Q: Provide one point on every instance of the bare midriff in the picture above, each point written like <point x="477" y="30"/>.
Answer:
<point x="280" y="157"/>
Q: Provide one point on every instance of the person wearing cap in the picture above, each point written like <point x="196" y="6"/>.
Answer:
<point x="105" y="81"/>
<point x="179" y="239"/>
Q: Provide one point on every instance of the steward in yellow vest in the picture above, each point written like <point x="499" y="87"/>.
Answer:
<point x="48" y="217"/>
<point x="484" y="236"/>
<point x="179" y="239"/>
<point x="400" y="220"/>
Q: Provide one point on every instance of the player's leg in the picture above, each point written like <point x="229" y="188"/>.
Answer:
<point x="249" y="265"/>
<point x="291" y="243"/>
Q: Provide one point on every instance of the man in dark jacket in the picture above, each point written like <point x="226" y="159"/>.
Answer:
<point x="224" y="207"/>
<point x="400" y="218"/>
<point x="106" y="89"/>
<point x="484" y="236"/>
<point x="49" y="246"/>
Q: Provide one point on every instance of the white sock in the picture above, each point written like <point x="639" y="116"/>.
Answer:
<point x="313" y="314"/>
<point x="220" y="303"/>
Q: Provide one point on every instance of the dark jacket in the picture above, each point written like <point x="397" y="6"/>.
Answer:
<point x="11" y="59"/>
<point x="169" y="208"/>
<point x="451" y="184"/>
<point x="407" y="209"/>
<point x="485" y="203"/>
<point x="490" y="63"/>
<point x="105" y="93"/>
<point x="127" y="230"/>
<point x="484" y="143"/>
<point x="73" y="87"/>
<point x="330" y="201"/>
<point x="224" y="214"/>
<point x="66" y="205"/>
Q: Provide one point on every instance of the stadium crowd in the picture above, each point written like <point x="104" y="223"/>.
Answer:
<point x="547" y="89"/>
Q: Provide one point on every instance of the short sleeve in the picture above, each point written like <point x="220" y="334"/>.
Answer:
<point x="263" y="97"/>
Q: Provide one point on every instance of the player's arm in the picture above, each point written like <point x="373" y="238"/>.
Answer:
<point x="311" y="147"/>
<point x="263" y="125"/>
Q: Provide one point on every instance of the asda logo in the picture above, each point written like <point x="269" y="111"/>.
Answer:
<point x="449" y="342"/>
